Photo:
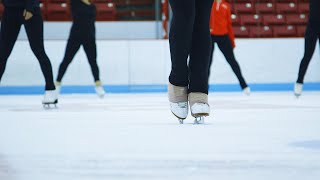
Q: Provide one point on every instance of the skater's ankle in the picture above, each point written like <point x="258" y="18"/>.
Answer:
<point x="98" y="83"/>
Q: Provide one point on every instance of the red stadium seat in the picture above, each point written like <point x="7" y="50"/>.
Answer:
<point x="286" y="8"/>
<point x="273" y="19"/>
<point x="297" y="19"/>
<point x="250" y="19"/>
<point x="266" y="1"/>
<point x="246" y="8"/>
<point x="303" y="8"/>
<point x="241" y="31"/>
<point x="284" y="31"/>
<point x="287" y="1"/>
<point x="235" y="19"/>
<point x="106" y="12"/>
<point x="135" y="9"/>
<point x="301" y="30"/>
<point x="244" y="1"/>
<point x="261" y="31"/>
<point x="265" y="8"/>
<point x="58" y="10"/>
<point x="43" y="7"/>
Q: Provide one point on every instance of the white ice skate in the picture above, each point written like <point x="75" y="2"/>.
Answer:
<point x="199" y="106"/>
<point x="199" y="111"/>
<point x="247" y="91"/>
<point x="298" y="89"/>
<point x="180" y="110"/>
<point x="178" y="97"/>
<point x="99" y="89"/>
<point x="50" y="98"/>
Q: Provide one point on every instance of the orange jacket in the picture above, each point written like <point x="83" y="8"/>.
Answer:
<point x="220" y="20"/>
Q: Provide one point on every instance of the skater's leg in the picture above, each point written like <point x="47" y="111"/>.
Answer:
<point x="90" y="48"/>
<point x="72" y="48"/>
<point x="310" y="44"/>
<point x="180" y="38"/>
<point x="199" y="61"/>
<point x="211" y="55"/>
<point x="10" y="27"/>
<point x="227" y="50"/>
<point x="201" y="48"/>
<point x="34" y="29"/>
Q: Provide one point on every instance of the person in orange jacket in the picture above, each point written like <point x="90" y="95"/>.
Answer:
<point x="222" y="34"/>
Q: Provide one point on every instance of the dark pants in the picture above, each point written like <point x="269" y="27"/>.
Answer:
<point x="12" y="21"/>
<point x="224" y="44"/>
<point x="190" y="37"/>
<point x="311" y="38"/>
<point x="80" y="35"/>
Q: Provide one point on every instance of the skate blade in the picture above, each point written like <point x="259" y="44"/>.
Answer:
<point x="49" y="105"/>
<point x="179" y="118"/>
<point x="101" y="96"/>
<point x="199" y="120"/>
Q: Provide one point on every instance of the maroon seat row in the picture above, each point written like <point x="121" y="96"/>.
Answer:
<point x="269" y="8"/>
<point x="269" y="31"/>
<point x="270" y="19"/>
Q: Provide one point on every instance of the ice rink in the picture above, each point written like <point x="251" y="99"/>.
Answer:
<point x="134" y="136"/>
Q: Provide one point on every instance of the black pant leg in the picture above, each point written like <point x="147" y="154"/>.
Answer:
<point x="226" y="48"/>
<point x="180" y="39"/>
<point x="10" y="28"/>
<point x="201" y="48"/>
<point x="211" y="55"/>
<point x="34" y="29"/>
<point x="73" y="45"/>
<point x="311" y="38"/>
<point x="90" y="48"/>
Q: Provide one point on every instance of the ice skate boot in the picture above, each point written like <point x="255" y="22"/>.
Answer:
<point x="178" y="98"/>
<point x="99" y="89"/>
<point x="199" y="106"/>
<point x="247" y="91"/>
<point x="50" y="98"/>
<point x="298" y="89"/>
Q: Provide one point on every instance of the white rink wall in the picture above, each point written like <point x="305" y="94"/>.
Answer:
<point x="147" y="62"/>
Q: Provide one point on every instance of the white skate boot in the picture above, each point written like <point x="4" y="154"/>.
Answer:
<point x="298" y="89"/>
<point x="178" y="97"/>
<point x="99" y="89"/>
<point x="50" y="98"/>
<point x="247" y="91"/>
<point x="199" y="106"/>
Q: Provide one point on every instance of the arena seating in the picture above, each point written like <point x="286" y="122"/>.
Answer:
<point x="250" y="18"/>
<point x="269" y="18"/>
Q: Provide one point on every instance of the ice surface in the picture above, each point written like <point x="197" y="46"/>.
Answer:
<point x="134" y="136"/>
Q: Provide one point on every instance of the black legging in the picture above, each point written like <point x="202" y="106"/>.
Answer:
<point x="80" y="36"/>
<point x="10" y="27"/>
<point x="224" y="44"/>
<point x="311" y="38"/>
<point x="190" y="36"/>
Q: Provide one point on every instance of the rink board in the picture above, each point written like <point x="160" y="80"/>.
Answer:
<point x="275" y="87"/>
